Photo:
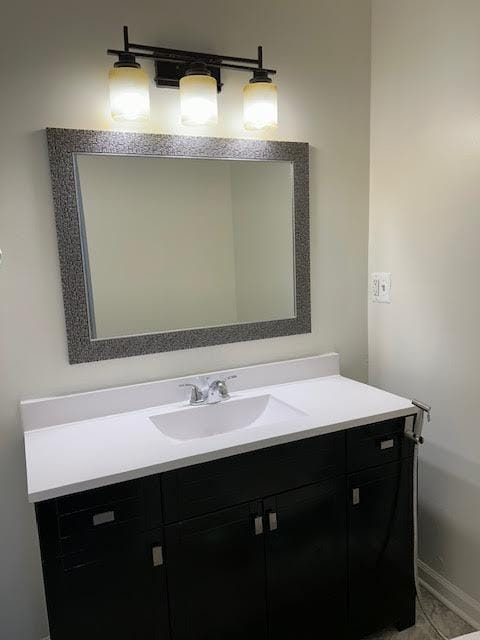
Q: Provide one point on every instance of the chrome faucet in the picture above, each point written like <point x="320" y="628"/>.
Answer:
<point x="208" y="392"/>
<point x="196" y="394"/>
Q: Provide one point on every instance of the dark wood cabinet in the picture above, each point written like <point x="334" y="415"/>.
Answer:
<point x="208" y="487"/>
<point x="377" y="444"/>
<point x="301" y="540"/>
<point x="274" y="568"/>
<point x="216" y="574"/>
<point x="380" y="548"/>
<point x="306" y="562"/>
<point x="109" y="592"/>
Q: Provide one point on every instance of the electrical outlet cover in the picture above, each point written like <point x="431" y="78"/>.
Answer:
<point x="381" y="285"/>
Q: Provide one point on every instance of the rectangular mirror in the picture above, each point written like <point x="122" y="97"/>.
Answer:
<point x="181" y="243"/>
<point x="171" y="242"/>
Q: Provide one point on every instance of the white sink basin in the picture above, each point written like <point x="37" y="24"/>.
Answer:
<point x="230" y="415"/>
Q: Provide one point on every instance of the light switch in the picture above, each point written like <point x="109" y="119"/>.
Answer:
<point x="381" y="285"/>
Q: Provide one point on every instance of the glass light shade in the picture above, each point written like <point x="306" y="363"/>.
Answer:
<point x="198" y="100"/>
<point x="129" y="95"/>
<point x="260" y="109"/>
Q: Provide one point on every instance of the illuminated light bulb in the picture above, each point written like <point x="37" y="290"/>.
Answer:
<point x="260" y="109"/>
<point x="198" y="97"/>
<point x="129" y="94"/>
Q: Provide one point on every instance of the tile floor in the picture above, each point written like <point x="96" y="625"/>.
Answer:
<point x="447" y="621"/>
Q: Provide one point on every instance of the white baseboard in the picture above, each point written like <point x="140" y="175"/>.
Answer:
<point x="454" y="598"/>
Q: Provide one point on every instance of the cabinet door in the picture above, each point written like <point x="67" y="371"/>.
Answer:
<point x="380" y="540"/>
<point x="216" y="576"/>
<point x="306" y="562"/>
<point x="117" y="592"/>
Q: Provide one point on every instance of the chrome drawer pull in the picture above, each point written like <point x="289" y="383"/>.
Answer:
<point x="272" y="520"/>
<point x="157" y="555"/>
<point x="103" y="518"/>
<point x="356" y="496"/>
<point x="258" y="525"/>
<point x="387" y="444"/>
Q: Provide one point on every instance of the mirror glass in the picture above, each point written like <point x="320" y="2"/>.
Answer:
<point x="181" y="243"/>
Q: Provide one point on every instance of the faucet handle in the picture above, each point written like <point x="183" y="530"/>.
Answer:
<point x="232" y="377"/>
<point x="217" y="391"/>
<point x="196" y="395"/>
<point x="223" y="389"/>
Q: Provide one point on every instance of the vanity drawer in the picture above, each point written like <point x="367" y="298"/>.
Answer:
<point x="99" y="517"/>
<point x="376" y="444"/>
<point x="98" y="497"/>
<point x="112" y="518"/>
<point x="222" y="483"/>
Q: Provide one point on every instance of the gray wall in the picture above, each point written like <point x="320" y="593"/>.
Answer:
<point x="57" y="77"/>
<point x="425" y="229"/>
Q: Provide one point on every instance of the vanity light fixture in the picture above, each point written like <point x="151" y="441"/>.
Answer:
<point x="198" y="75"/>
<point x="260" y="102"/>
<point x="129" y="94"/>
<point x="198" y="96"/>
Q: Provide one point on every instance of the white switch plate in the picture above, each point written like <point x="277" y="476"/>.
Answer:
<point x="381" y="285"/>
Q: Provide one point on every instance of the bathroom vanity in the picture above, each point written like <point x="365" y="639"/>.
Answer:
<point x="284" y="511"/>
<point x="300" y="528"/>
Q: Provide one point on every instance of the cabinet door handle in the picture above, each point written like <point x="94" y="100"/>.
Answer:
<point x="272" y="520"/>
<point x="103" y="518"/>
<point x="387" y="444"/>
<point x="157" y="555"/>
<point x="258" y="522"/>
<point x="356" y="496"/>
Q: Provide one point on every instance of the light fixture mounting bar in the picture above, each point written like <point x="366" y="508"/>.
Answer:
<point x="172" y="64"/>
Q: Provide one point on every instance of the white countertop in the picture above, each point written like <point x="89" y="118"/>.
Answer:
<point x="74" y="456"/>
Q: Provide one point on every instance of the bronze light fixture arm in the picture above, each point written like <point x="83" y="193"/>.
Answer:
<point x="171" y="64"/>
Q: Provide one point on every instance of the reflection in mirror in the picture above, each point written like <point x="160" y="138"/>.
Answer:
<point x="181" y="243"/>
